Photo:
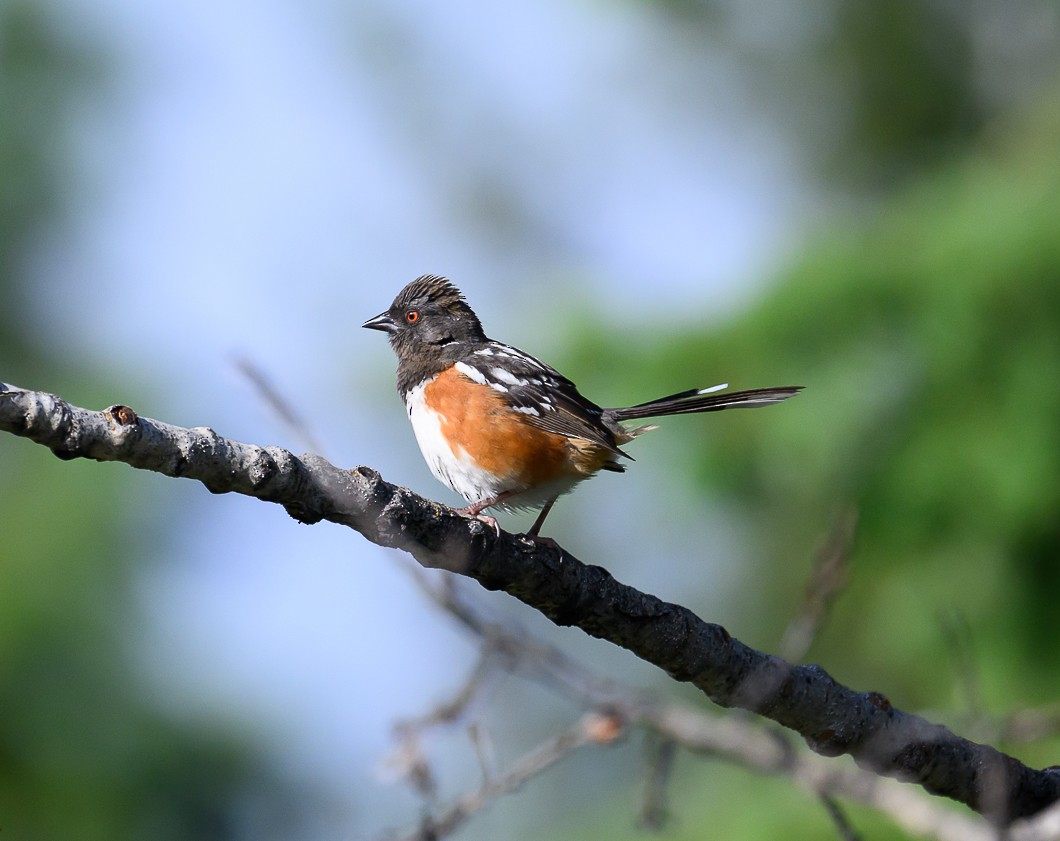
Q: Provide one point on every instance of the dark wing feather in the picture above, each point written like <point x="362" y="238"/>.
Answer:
<point x="703" y="400"/>
<point x="548" y="399"/>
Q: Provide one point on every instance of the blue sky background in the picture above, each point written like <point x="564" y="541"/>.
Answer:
<point x="255" y="179"/>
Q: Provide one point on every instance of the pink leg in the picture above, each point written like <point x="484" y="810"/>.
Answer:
<point x="476" y="508"/>
<point x="536" y="527"/>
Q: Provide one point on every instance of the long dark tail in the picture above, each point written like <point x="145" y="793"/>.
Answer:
<point x="704" y="400"/>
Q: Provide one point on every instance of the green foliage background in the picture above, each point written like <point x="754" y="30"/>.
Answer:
<point x="928" y="338"/>
<point x="925" y="327"/>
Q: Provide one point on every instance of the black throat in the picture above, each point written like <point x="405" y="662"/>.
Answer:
<point x="419" y="362"/>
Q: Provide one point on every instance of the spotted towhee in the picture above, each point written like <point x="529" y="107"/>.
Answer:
<point x="503" y="428"/>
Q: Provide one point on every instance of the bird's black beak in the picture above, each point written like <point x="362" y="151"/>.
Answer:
<point x="383" y="322"/>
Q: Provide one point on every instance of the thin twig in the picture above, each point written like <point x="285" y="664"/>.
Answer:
<point x="661" y="752"/>
<point x="842" y="822"/>
<point x="277" y="401"/>
<point x="408" y="760"/>
<point x="532" y="763"/>
<point x="828" y="579"/>
<point x="957" y="635"/>
<point x="456" y="708"/>
<point x="482" y="742"/>
<point x="521" y="652"/>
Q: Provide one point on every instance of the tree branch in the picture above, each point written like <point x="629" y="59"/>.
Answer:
<point x="736" y="738"/>
<point x="832" y="718"/>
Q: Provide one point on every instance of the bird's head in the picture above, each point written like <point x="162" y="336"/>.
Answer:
<point x="429" y="312"/>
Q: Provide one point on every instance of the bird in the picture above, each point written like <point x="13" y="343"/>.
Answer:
<point x="499" y="426"/>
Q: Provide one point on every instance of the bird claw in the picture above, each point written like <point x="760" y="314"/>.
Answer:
<point x="491" y="522"/>
<point x="472" y="514"/>
<point x="538" y="540"/>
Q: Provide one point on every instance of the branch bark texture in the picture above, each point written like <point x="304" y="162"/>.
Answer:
<point x="832" y="718"/>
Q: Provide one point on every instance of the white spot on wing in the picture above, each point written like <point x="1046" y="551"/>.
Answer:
<point x="713" y="388"/>
<point x="515" y="353"/>
<point x="471" y="372"/>
<point x="506" y="376"/>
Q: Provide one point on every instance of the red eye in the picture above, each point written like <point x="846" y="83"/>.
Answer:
<point x="412" y="316"/>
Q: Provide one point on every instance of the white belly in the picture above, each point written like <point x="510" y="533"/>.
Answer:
<point x="454" y="469"/>
<point x="457" y="470"/>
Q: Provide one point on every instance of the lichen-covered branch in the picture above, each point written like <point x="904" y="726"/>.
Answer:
<point x="832" y="718"/>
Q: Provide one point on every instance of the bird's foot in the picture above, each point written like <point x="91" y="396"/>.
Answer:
<point x="491" y="522"/>
<point x="538" y="540"/>
<point x="474" y="512"/>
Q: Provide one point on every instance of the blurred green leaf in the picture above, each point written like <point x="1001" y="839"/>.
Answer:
<point x="928" y="339"/>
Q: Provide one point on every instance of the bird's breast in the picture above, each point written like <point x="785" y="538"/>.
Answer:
<point x="475" y="443"/>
